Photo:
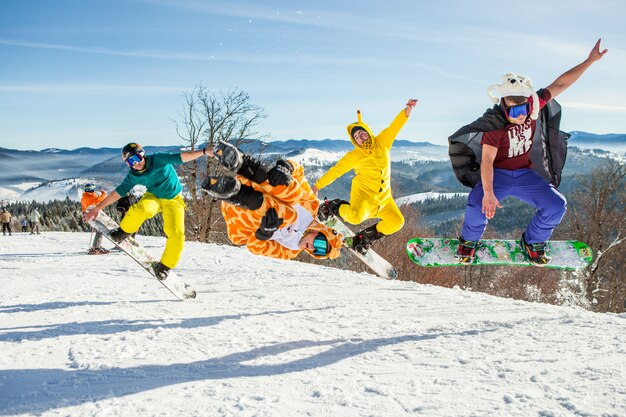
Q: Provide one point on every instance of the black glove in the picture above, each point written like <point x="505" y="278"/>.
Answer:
<point x="269" y="224"/>
<point x="280" y="174"/>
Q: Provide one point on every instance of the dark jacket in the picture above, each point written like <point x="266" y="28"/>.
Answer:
<point x="547" y="155"/>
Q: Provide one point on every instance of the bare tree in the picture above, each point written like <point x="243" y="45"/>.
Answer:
<point x="208" y="117"/>
<point x="597" y="217"/>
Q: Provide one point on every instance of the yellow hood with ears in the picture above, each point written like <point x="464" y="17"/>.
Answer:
<point x="359" y="123"/>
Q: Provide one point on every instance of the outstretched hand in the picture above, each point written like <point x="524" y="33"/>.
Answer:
<point x="595" y="53"/>
<point x="409" y="106"/>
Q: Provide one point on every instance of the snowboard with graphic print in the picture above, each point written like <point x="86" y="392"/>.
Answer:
<point x="565" y="254"/>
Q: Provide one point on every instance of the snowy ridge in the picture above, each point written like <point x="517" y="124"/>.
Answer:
<point x="316" y="157"/>
<point x="417" y="198"/>
<point x="54" y="190"/>
<point x="85" y="336"/>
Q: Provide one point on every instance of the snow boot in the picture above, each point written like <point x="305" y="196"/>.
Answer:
<point x="363" y="240"/>
<point x="231" y="190"/>
<point x="221" y="187"/>
<point x="466" y="251"/>
<point x="118" y="235"/>
<point x="97" y="251"/>
<point x="161" y="271"/>
<point x="535" y="252"/>
<point x="228" y="155"/>
<point x="330" y="208"/>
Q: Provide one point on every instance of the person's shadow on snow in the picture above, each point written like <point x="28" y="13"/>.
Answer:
<point x="47" y="389"/>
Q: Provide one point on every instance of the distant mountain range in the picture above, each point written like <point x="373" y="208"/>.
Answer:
<point x="613" y="142"/>
<point x="417" y="167"/>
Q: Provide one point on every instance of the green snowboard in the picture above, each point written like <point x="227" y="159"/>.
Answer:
<point x="565" y="254"/>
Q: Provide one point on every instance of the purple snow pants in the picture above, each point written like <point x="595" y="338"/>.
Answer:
<point x="525" y="185"/>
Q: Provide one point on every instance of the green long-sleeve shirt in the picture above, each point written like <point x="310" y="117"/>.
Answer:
<point x="159" y="177"/>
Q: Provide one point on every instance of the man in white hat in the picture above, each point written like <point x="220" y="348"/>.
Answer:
<point x="505" y="169"/>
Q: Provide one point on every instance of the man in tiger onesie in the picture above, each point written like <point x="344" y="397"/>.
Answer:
<point x="270" y="210"/>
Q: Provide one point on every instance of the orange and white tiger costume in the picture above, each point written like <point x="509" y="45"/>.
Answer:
<point x="242" y="223"/>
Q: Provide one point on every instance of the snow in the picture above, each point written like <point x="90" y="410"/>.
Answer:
<point x="312" y="156"/>
<point x="88" y="335"/>
<point x="417" y="198"/>
<point x="26" y="185"/>
<point x="8" y="194"/>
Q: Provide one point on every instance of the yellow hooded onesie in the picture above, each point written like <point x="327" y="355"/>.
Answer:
<point x="370" y="195"/>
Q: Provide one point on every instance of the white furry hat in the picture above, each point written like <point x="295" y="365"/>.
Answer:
<point x="515" y="85"/>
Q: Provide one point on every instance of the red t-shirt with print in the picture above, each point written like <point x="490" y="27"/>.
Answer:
<point x="514" y="141"/>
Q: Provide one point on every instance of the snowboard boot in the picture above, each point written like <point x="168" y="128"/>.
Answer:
<point x="535" y="252"/>
<point x="228" y="155"/>
<point x="161" y="271"/>
<point x="221" y="187"/>
<point x="466" y="251"/>
<point x="330" y="208"/>
<point x="118" y="235"/>
<point x="231" y="190"/>
<point x="363" y="240"/>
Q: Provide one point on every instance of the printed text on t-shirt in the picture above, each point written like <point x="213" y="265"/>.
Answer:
<point x="520" y="139"/>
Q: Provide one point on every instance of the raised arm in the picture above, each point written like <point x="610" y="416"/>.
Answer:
<point x="568" y="78"/>
<point x="387" y="136"/>
<point x="191" y="155"/>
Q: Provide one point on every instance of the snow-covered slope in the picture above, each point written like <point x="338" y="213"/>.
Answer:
<point x="88" y="335"/>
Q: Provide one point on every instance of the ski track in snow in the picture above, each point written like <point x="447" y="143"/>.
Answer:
<point x="88" y="335"/>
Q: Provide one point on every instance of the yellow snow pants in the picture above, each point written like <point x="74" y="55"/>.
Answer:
<point x="173" y="223"/>
<point x="364" y="206"/>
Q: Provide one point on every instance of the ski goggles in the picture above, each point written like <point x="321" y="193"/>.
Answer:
<point x="518" y="110"/>
<point x="320" y="245"/>
<point x="134" y="159"/>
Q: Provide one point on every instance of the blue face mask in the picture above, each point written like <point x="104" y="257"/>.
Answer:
<point x="518" y="110"/>
<point x="320" y="245"/>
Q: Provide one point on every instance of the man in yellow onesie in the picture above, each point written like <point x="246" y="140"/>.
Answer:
<point x="370" y="195"/>
<point x="163" y="194"/>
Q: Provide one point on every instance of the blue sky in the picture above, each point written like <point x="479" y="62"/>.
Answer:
<point x="106" y="72"/>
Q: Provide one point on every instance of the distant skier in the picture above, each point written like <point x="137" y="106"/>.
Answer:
<point x="5" y="218"/>
<point x="370" y="194"/>
<point x="163" y="195"/>
<point x="270" y="210"/>
<point x="89" y="199"/>
<point x="35" y="221"/>
<point x="505" y="167"/>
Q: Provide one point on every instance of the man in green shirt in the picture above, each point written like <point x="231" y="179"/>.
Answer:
<point x="163" y="195"/>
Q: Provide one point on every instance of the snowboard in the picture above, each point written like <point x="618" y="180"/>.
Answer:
<point x="566" y="254"/>
<point x="374" y="261"/>
<point x="105" y="225"/>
